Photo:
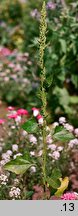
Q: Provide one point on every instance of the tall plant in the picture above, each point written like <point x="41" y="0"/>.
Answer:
<point x="21" y="164"/>
<point x="42" y="41"/>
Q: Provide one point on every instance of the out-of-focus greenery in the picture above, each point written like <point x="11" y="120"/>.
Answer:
<point x="19" y="28"/>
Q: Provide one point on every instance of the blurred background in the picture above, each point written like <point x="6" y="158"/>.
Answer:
<point x="19" y="56"/>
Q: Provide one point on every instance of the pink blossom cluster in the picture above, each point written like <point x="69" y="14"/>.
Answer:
<point x="15" y="114"/>
<point x="69" y="196"/>
<point x="5" y="51"/>
<point x="2" y="121"/>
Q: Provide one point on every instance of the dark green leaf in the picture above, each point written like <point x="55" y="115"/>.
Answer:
<point x="63" y="45"/>
<point x="56" y="173"/>
<point x="30" y="126"/>
<point x="54" y="183"/>
<point x="63" y="135"/>
<point x="29" y="194"/>
<point x="58" y="129"/>
<point x="18" y="166"/>
<point x="74" y="79"/>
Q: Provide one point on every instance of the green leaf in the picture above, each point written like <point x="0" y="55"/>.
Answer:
<point x="18" y="166"/>
<point x="63" y="96"/>
<point x="74" y="99"/>
<point x="54" y="183"/>
<point x="49" y="80"/>
<point x="74" y="79"/>
<point x="29" y="194"/>
<point x="63" y="186"/>
<point x="26" y="156"/>
<point x="58" y="129"/>
<point x="30" y="126"/>
<point x="63" y="45"/>
<point x="63" y="135"/>
<point x="56" y="173"/>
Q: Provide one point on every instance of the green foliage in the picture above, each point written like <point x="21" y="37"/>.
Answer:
<point x="61" y="134"/>
<point x="28" y="194"/>
<point x="60" y="55"/>
<point x="18" y="166"/>
<point x="54" y="181"/>
<point x="31" y="126"/>
<point x="56" y="173"/>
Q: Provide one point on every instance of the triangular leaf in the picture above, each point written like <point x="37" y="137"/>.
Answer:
<point x="63" y="135"/>
<point x="30" y="126"/>
<point x="54" y="183"/>
<point x="56" y="173"/>
<point x="58" y="129"/>
<point x="18" y="166"/>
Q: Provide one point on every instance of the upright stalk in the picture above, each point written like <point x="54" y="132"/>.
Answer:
<point x="42" y="41"/>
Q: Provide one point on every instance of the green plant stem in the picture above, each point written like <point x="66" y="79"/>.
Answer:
<point x="44" y="155"/>
<point x="43" y="27"/>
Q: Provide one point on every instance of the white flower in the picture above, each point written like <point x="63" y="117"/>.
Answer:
<point x="40" y="121"/>
<point x="72" y="143"/>
<point x="40" y="153"/>
<point x="50" y="155"/>
<point x="32" y="153"/>
<point x="32" y="139"/>
<point x="24" y="133"/>
<point x="49" y="139"/>
<point x="9" y="152"/>
<point x="56" y="155"/>
<point x="52" y="147"/>
<point x="69" y="127"/>
<point x="55" y="124"/>
<point x="5" y="156"/>
<point x="33" y="169"/>
<point x="76" y="131"/>
<point x="60" y="148"/>
<point x="62" y="120"/>
<point x="17" y="155"/>
<point x="15" y="192"/>
<point x="3" y="179"/>
<point x="2" y="162"/>
<point x="35" y="112"/>
<point x="18" y="120"/>
<point x="15" y="147"/>
<point x="13" y="127"/>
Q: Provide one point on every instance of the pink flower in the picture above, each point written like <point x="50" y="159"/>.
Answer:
<point x="22" y="112"/>
<point x="40" y="119"/>
<point x="11" y="65"/>
<point x="35" y="111"/>
<point x="10" y="108"/>
<point x="5" y="51"/>
<point x="69" y="196"/>
<point x="12" y="116"/>
<point x="2" y="121"/>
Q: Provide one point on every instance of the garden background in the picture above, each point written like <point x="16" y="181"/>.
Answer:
<point x="20" y="92"/>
